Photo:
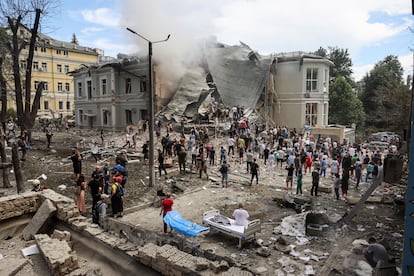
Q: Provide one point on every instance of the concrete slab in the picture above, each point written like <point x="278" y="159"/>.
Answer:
<point x="10" y="266"/>
<point x="46" y="211"/>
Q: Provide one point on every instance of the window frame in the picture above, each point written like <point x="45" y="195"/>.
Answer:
<point x="311" y="83"/>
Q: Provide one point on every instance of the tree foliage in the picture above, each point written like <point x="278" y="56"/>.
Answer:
<point x="342" y="62"/>
<point x="74" y="39"/>
<point x="385" y="97"/>
<point x="22" y="18"/>
<point x="344" y="106"/>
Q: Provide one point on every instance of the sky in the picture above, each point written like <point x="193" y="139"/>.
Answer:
<point x="369" y="29"/>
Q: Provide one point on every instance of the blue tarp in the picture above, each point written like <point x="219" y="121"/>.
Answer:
<point x="180" y="224"/>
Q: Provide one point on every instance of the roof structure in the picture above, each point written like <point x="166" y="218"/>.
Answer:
<point x="238" y="78"/>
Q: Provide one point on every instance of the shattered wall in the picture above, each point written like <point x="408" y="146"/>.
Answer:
<point x="238" y="76"/>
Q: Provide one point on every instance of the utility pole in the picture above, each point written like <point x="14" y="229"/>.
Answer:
<point x="151" y="105"/>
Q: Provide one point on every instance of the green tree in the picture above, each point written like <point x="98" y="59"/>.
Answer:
<point x="17" y="16"/>
<point x="385" y="97"/>
<point x="344" y="106"/>
<point x="342" y="62"/>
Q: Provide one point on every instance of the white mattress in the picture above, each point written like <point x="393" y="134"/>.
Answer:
<point x="236" y="229"/>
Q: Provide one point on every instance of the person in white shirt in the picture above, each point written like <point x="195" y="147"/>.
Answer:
<point x="241" y="216"/>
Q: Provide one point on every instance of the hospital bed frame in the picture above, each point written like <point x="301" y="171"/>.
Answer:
<point x="240" y="232"/>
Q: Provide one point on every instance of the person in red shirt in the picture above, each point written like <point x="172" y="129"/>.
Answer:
<point x="166" y="206"/>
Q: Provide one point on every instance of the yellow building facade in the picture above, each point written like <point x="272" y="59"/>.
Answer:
<point x="52" y="62"/>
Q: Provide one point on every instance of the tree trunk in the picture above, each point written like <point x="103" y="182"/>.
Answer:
<point x="17" y="170"/>
<point x="6" y="180"/>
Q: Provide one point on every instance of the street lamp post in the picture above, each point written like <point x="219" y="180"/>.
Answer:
<point x="151" y="105"/>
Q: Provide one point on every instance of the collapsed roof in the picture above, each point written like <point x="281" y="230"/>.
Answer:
<point x="232" y="75"/>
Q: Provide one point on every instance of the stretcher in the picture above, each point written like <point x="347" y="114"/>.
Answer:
<point x="228" y="226"/>
<point x="184" y="226"/>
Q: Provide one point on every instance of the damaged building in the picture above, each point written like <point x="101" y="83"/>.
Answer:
<point x="289" y="89"/>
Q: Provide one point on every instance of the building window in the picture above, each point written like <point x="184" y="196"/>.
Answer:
<point x="128" y="86"/>
<point x="67" y="87"/>
<point x="45" y="86"/>
<point x="36" y="85"/>
<point x="23" y="64"/>
<point x="143" y="85"/>
<point x="81" y="116"/>
<point x="59" y="68"/>
<point x="46" y="105"/>
<point x="60" y="105"/>
<point x="89" y="89"/>
<point x="60" y="87"/>
<point x="58" y="52"/>
<point x="35" y="65"/>
<point x="105" y="117"/>
<point x="68" y="105"/>
<point x="65" y="53"/>
<point x="66" y="68"/>
<point x="311" y="79"/>
<point x="128" y="117"/>
<point x="103" y="86"/>
<point x="311" y="114"/>
<point x="43" y="49"/>
<point x="79" y="89"/>
<point x="144" y="114"/>
<point x="44" y="66"/>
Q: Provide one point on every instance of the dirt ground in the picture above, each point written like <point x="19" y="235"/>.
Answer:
<point x="200" y="195"/>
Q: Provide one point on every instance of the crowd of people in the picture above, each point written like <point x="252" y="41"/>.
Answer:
<point x="105" y="183"/>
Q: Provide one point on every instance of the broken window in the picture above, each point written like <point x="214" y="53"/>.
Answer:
<point x="311" y="79"/>
<point x="128" y="86"/>
<point x="89" y="89"/>
<point x="103" y="86"/>
<point x="311" y="114"/>
<point x="128" y="116"/>
<point x="79" y="89"/>
<point x="143" y="85"/>
<point x="105" y="115"/>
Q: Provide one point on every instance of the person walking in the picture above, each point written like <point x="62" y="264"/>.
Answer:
<point x="254" y="170"/>
<point x="224" y="170"/>
<point x="289" y="178"/>
<point x="299" y="182"/>
<point x="80" y="193"/>
<point x="161" y="162"/>
<point x="337" y="184"/>
<point x="49" y="135"/>
<point x="315" y="181"/>
<point x="345" y="182"/>
<point x="182" y="159"/>
<point x="166" y="206"/>
<point x="76" y="162"/>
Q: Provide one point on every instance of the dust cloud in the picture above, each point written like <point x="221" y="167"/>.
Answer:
<point x="155" y="20"/>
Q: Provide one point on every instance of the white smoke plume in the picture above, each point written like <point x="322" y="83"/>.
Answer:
<point x="156" y="19"/>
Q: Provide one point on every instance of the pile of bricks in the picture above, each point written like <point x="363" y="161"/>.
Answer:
<point x="17" y="205"/>
<point x="57" y="253"/>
